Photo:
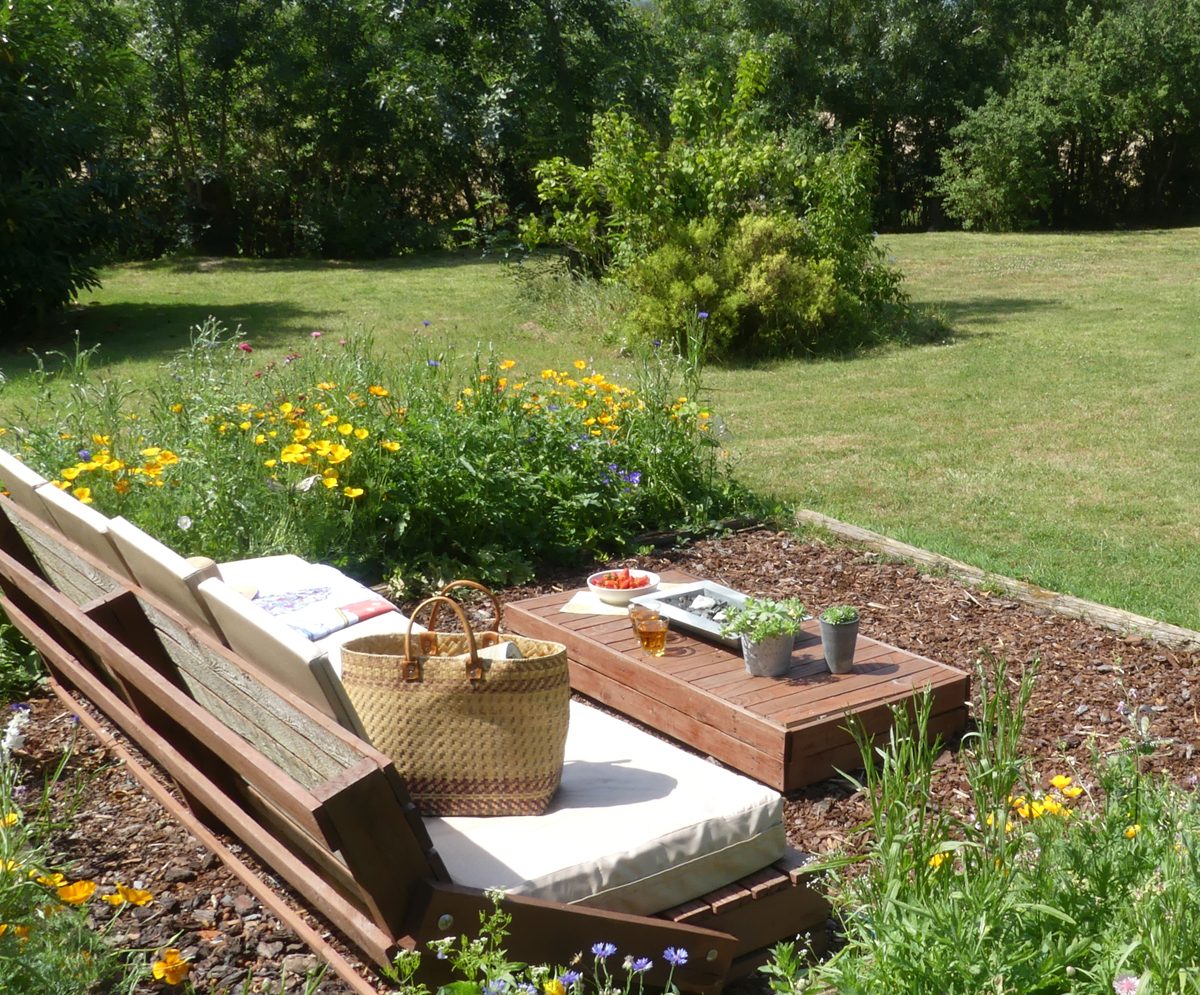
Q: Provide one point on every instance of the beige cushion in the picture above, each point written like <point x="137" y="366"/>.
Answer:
<point x="162" y="571"/>
<point x="279" y="650"/>
<point x="247" y="576"/>
<point x="22" y="484"/>
<point x="638" y="825"/>
<point x="84" y="526"/>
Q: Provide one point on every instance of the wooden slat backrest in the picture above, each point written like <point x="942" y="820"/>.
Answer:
<point x="79" y="578"/>
<point x="284" y="778"/>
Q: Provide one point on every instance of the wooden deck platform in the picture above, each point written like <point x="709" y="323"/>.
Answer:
<point x="784" y="731"/>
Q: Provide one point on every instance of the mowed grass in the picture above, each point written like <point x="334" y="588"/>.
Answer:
<point x="144" y="311"/>
<point x="1055" y="437"/>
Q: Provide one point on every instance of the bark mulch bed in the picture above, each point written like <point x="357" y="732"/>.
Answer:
<point x="1086" y="671"/>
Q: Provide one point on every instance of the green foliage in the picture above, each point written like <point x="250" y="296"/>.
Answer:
<point x="764" y="231"/>
<point x="1050" y="884"/>
<point x="1095" y="127"/>
<point x="47" y="943"/>
<point x="65" y="73"/>
<point x="21" y="668"/>
<point x="762" y="618"/>
<point x="481" y="966"/>
<point x="840" y="614"/>
<point x="413" y="466"/>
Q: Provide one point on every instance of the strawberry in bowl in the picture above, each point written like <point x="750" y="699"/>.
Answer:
<point x="618" y="587"/>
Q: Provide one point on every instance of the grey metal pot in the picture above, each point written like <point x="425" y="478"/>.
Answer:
<point x="838" y="641"/>
<point x="769" y="658"/>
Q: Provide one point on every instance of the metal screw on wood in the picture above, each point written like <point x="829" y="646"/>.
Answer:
<point x="445" y="921"/>
<point x="711" y="955"/>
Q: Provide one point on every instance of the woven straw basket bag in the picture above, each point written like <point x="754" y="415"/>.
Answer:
<point x="471" y="736"/>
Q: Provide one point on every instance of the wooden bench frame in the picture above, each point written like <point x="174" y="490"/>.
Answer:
<point x="312" y="802"/>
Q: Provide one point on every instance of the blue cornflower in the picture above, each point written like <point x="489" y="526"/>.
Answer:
<point x="425" y="323"/>
<point x="702" y="315"/>
<point x="641" y="965"/>
<point x="675" y="956"/>
<point x="569" y="977"/>
<point x="18" y="706"/>
<point x="84" y="454"/>
<point x="432" y="362"/>
<point x="603" y="950"/>
<point x="574" y="447"/>
<point x="657" y="343"/>
<point x="613" y="468"/>
<point x="525" y="988"/>
<point x="632" y="478"/>
<point x="495" y="987"/>
<point x="551" y="407"/>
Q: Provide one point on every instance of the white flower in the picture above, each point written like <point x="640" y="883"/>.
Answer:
<point x="14" y="732"/>
<point x="184" y="522"/>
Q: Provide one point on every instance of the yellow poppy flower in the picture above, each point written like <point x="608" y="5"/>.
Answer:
<point x="1132" y="831"/>
<point x="352" y="492"/>
<point x="70" y="473"/>
<point x="468" y="392"/>
<point x="84" y="494"/>
<point x="389" y="445"/>
<point x="102" y="440"/>
<point x="548" y="374"/>
<point x="579" y="364"/>
<point x="1060" y="781"/>
<point x="167" y="458"/>
<point x="10" y="819"/>
<point x="122" y="486"/>
<point x="554" y="987"/>
<point x="286" y="407"/>
<point x="135" y="896"/>
<point x="345" y="428"/>
<point x="176" y="408"/>
<point x="301" y="434"/>
<point x="294" y="453"/>
<point x="1072" y="792"/>
<point x="77" y="893"/>
<point x="329" y="419"/>
<point x="268" y="463"/>
<point x="338" y="454"/>
<point x="330" y="482"/>
<point x="172" y="969"/>
<point x="326" y="385"/>
<point x="507" y="364"/>
<point x="361" y="433"/>
<point x="938" y="859"/>
<point x="244" y="426"/>
<point x="378" y="391"/>
<point x="151" y="451"/>
<point x="259" y="439"/>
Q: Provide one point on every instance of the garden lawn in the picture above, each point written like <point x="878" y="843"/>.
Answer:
<point x="1055" y="437"/>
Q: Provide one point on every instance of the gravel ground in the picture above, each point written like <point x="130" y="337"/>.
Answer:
<point x="1086" y="671"/>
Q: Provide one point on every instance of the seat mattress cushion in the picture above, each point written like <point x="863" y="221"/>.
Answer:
<point x="638" y="825"/>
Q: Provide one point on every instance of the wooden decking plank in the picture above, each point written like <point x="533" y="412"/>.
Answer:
<point x="763" y="765"/>
<point x="795" y="710"/>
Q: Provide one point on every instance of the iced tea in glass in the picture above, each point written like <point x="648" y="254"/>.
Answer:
<point x="652" y="634"/>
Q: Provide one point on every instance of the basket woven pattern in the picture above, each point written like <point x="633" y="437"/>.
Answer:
<point x="488" y="747"/>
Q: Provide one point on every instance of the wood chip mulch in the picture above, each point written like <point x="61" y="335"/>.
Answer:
<point x="119" y="835"/>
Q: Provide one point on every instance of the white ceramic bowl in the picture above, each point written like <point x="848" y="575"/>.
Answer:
<point x="622" y="596"/>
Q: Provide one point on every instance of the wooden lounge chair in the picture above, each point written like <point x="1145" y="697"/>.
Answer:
<point x="330" y="816"/>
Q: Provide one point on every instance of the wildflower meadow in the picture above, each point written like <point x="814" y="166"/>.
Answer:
<point x="1052" y="880"/>
<point x="414" y="470"/>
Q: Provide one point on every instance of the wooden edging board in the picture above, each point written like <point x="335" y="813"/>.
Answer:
<point x="1063" y="604"/>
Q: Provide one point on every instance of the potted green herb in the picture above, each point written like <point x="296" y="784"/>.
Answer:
<point x="839" y="634"/>
<point x="768" y="630"/>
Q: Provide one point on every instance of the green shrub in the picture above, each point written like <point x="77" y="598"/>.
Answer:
<point x="424" y="466"/>
<point x="1063" y="883"/>
<point x="766" y="231"/>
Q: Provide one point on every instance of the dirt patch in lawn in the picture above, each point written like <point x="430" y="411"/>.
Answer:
<point x="119" y="835"/>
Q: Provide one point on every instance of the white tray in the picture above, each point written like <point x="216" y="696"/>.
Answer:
<point x="672" y="604"/>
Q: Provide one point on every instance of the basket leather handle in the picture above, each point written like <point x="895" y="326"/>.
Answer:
<point x="411" y="668"/>
<point x="496" y="610"/>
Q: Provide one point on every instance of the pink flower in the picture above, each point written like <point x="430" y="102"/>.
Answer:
<point x="314" y="335"/>
<point x="245" y="347"/>
<point x="1126" y="984"/>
